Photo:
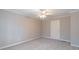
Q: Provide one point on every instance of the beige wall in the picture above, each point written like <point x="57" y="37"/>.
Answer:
<point x="64" y="27"/>
<point x="15" y="28"/>
<point x="55" y="29"/>
<point x="69" y="29"/>
<point x="45" y="28"/>
<point x="75" y="29"/>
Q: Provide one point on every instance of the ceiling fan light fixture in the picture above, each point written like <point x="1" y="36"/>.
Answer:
<point x="43" y="16"/>
<point x="44" y="13"/>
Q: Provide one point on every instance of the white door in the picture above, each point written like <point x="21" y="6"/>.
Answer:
<point x="55" y="29"/>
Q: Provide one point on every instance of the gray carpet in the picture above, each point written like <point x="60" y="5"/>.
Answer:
<point x="43" y="44"/>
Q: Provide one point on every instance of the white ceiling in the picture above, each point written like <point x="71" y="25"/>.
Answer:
<point x="34" y="12"/>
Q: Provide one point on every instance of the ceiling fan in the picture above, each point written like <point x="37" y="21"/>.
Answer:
<point x="44" y="13"/>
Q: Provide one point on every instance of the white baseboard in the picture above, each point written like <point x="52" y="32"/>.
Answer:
<point x="74" y="45"/>
<point x="18" y="43"/>
<point x="46" y="37"/>
<point x="64" y="40"/>
<point x="57" y="39"/>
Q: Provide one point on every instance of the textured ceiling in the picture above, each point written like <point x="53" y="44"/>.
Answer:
<point x="33" y="13"/>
